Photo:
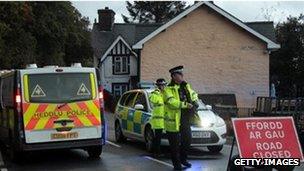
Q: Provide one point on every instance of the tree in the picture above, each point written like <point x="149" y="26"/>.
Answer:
<point x="16" y="42"/>
<point x="269" y="13"/>
<point x="46" y="33"/>
<point x="153" y="11"/>
<point x="287" y="64"/>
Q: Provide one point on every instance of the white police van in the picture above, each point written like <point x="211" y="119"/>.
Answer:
<point x="52" y="108"/>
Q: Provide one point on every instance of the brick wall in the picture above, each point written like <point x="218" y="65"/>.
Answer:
<point x="219" y="57"/>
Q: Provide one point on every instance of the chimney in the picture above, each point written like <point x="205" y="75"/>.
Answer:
<point x="106" y="19"/>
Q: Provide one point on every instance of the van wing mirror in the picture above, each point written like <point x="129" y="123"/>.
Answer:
<point x="139" y="107"/>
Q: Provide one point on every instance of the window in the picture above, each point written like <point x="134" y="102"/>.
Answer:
<point x="69" y="87"/>
<point x="1" y="94"/>
<point x="1" y="105"/>
<point x="8" y="91"/>
<point x="119" y="88"/>
<point x="123" y="99"/>
<point x="130" y="100"/>
<point x="121" y="65"/>
<point x="141" y="99"/>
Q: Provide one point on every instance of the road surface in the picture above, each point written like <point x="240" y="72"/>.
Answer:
<point x="129" y="156"/>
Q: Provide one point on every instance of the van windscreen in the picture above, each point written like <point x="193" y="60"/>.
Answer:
<point x="59" y="88"/>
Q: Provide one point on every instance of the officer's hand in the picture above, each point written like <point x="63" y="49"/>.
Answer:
<point x="195" y="105"/>
<point x="183" y="83"/>
<point x="189" y="106"/>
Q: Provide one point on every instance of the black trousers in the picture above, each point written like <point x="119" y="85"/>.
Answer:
<point x="185" y="133"/>
<point x="157" y="140"/>
<point x="179" y="144"/>
<point x="174" y="142"/>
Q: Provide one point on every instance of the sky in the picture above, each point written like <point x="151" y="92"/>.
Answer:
<point x="276" y="11"/>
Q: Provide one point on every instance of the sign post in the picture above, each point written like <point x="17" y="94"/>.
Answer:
<point x="267" y="137"/>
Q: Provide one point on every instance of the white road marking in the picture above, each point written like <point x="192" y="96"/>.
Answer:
<point x="159" y="161"/>
<point x="4" y="169"/>
<point x="113" y="144"/>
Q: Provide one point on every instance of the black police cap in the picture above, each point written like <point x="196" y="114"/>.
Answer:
<point x="178" y="69"/>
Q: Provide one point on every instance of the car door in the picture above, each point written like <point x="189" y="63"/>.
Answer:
<point x="128" y="111"/>
<point x="121" y="109"/>
<point x="141" y="116"/>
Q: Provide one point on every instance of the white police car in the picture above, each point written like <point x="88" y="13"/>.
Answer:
<point x="132" y="116"/>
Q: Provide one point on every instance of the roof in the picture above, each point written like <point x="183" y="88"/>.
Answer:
<point x="270" y="44"/>
<point x="147" y="90"/>
<point x="131" y="33"/>
<point x="119" y="38"/>
<point x="135" y="35"/>
<point x="263" y="27"/>
<point x="5" y="72"/>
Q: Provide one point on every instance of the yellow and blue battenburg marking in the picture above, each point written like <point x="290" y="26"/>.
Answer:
<point x="133" y="120"/>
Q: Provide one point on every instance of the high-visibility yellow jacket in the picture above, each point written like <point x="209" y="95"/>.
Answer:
<point x="157" y="119"/>
<point x="173" y="106"/>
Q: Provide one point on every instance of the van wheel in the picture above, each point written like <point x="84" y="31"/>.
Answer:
<point x="149" y="136"/>
<point x="94" y="152"/>
<point x="119" y="137"/>
<point x="15" y="156"/>
<point x="215" y="148"/>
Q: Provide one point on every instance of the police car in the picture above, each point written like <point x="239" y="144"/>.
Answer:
<point x="132" y="120"/>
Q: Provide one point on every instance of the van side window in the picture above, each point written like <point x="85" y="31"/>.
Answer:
<point x="130" y="100"/>
<point x="0" y="93"/>
<point x="141" y="99"/>
<point x="1" y="103"/>
<point x="8" y="91"/>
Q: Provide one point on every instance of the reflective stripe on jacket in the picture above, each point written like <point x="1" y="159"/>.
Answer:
<point x="173" y="106"/>
<point x="157" y="119"/>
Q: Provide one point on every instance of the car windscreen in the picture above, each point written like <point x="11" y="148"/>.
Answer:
<point x="150" y="103"/>
<point x="201" y="105"/>
<point x="129" y="102"/>
<point x="60" y="88"/>
<point x="141" y="99"/>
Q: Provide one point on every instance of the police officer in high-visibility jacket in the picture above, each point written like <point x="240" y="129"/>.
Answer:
<point x="180" y="104"/>
<point x="157" y="119"/>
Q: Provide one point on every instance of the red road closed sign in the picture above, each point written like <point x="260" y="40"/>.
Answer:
<point x="267" y="137"/>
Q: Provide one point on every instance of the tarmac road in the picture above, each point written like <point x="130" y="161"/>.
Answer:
<point x="129" y="156"/>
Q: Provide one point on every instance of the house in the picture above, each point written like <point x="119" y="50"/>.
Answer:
<point x="221" y="54"/>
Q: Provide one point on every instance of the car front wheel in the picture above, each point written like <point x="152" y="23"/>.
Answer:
<point x="149" y="135"/>
<point x="215" y="148"/>
<point x="119" y="137"/>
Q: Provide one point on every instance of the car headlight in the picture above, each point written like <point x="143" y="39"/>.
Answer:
<point x="219" y="122"/>
<point x="205" y="122"/>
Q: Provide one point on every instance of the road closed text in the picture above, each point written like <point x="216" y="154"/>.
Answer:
<point x="271" y="150"/>
<point x="270" y="131"/>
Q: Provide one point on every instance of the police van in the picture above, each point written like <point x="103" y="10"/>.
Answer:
<point x="52" y="108"/>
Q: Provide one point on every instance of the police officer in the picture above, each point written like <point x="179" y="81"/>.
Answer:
<point x="157" y="119"/>
<point x="180" y="102"/>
